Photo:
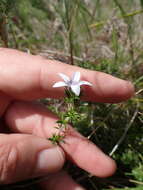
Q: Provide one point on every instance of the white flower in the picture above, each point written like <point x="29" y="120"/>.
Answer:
<point x="74" y="83"/>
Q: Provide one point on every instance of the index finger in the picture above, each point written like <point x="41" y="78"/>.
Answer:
<point x="28" y="77"/>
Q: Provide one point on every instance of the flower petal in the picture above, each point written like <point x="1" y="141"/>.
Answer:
<point x="76" y="77"/>
<point x="76" y="89"/>
<point x="85" y="83"/>
<point x="64" y="77"/>
<point x="59" y="84"/>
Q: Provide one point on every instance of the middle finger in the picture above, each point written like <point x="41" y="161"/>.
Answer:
<point x="33" y="118"/>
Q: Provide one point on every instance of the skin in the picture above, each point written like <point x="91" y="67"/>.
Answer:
<point x="25" y="125"/>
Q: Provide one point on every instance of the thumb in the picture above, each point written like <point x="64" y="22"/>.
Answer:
<point x="25" y="156"/>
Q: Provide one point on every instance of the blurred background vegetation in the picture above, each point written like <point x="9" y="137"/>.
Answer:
<point x="100" y="35"/>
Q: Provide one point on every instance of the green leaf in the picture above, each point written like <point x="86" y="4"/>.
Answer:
<point x="56" y="138"/>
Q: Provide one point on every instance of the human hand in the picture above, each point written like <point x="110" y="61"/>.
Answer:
<point x="25" y="152"/>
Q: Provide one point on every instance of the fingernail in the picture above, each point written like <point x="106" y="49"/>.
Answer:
<point x="130" y="86"/>
<point x="50" y="160"/>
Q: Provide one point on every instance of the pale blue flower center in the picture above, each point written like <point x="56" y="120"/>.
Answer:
<point x="72" y="83"/>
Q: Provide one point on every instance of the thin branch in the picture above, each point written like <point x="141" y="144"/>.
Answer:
<point x="58" y="54"/>
<point x="135" y="181"/>
<point x="125" y="133"/>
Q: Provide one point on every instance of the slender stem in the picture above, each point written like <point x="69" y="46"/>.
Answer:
<point x="125" y="133"/>
<point x="101" y="23"/>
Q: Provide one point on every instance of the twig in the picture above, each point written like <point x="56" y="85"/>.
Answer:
<point x="138" y="92"/>
<point x="135" y="181"/>
<point x="57" y="53"/>
<point x="125" y="132"/>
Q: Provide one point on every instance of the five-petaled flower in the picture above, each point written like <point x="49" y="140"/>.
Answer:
<point x="74" y="83"/>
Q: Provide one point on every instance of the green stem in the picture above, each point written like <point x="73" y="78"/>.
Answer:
<point x="101" y="23"/>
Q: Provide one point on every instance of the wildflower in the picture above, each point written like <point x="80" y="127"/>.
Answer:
<point x="74" y="83"/>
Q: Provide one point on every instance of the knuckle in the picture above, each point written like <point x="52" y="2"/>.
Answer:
<point x="8" y="162"/>
<point x="2" y="49"/>
<point x="7" y="50"/>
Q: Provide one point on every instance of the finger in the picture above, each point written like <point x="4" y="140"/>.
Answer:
<point x="34" y="119"/>
<point x="60" y="181"/>
<point x="25" y="156"/>
<point x="4" y="102"/>
<point x="37" y="76"/>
